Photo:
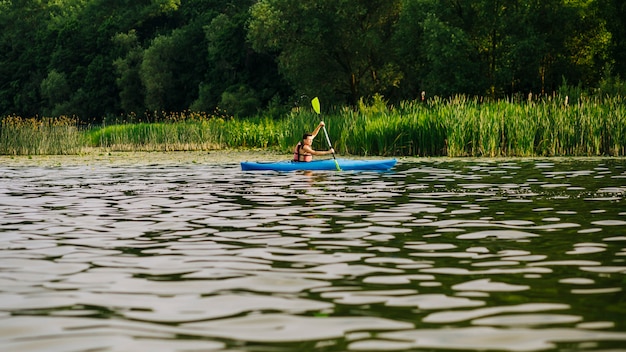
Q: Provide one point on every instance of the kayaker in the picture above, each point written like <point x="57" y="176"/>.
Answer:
<point x="303" y="150"/>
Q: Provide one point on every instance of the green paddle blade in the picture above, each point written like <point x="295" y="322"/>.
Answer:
<point x="316" y="105"/>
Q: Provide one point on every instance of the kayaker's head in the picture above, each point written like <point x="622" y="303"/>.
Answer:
<point x="307" y="139"/>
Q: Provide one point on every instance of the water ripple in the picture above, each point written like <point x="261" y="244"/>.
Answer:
<point x="515" y="255"/>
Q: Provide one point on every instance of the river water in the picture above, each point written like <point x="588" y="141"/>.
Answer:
<point x="438" y="254"/>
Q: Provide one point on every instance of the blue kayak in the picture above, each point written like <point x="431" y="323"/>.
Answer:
<point x="326" y="164"/>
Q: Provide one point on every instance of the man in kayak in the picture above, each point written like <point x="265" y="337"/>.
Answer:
<point x="303" y="150"/>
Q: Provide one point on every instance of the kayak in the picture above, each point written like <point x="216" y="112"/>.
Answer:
<point x="326" y="164"/>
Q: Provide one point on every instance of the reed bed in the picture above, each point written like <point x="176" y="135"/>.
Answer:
<point x="411" y="129"/>
<point x="195" y="131"/>
<point x="160" y="136"/>
<point x="169" y="132"/>
<point x="457" y="127"/>
<point x="40" y="136"/>
<point x="464" y="126"/>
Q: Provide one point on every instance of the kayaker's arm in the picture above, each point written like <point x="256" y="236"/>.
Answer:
<point x="311" y="151"/>
<point x="317" y="129"/>
<point x="326" y="152"/>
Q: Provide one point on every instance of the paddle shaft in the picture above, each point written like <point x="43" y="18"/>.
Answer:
<point x="328" y="141"/>
<point x="316" y="106"/>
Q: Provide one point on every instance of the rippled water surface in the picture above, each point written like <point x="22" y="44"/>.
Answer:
<point x="515" y="255"/>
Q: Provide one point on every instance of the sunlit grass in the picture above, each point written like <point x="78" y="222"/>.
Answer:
<point x="161" y="136"/>
<point x="463" y="126"/>
<point x="177" y="132"/>
<point x="40" y="136"/>
<point x="459" y="126"/>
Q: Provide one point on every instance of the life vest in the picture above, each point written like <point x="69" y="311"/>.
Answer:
<point x="297" y="156"/>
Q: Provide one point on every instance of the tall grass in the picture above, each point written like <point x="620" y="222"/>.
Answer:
<point x="161" y="136"/>
<point x="40" y="136"/>
<point x="463" y="126"/>
<point x="459" y="126"/>
<point x="194" y="131"/>
<point x="177" y="131"/>
<point x="376" y="129"/>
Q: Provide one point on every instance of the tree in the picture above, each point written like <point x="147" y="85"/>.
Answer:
<point x="238" y="79"/>
<point x="55" y="90"/>
<point x="158" y="71"/>
<point x="25" y="47"/>
<point x="128" y="81"/>
<point x="94" y="58"/>
<point x="160" y="61"/>
<point x="335" y="49"/>
<point x="498" y="47"/>
<point x="612" y="13"/>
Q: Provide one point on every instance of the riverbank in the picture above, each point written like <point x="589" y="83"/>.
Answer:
<point x="99" y="157"/>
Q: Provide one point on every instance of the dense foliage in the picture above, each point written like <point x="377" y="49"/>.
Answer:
<point x="105" y="58"/>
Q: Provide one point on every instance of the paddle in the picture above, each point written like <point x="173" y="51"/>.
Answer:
<point x="316" y="106"/>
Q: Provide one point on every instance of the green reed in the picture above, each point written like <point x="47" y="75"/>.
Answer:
<point x="259" y="132"/>
<point x="170" y="132"/>
<point x="154" y="136"/>
<point x="589" y="127"/>
<point x="547" y="127"/>
<point x="188" y="132"/>
<point x="463" y="126"/>
<point x="409" y="129"/>
<point x="459" y="126"/>
<point x="40" y="136"/>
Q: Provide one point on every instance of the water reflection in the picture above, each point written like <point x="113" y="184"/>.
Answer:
<point x="516" y="255"/>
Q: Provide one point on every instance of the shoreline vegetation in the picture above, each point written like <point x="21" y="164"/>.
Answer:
<point x="455" y="127"/>
<point x="97" y="157"/>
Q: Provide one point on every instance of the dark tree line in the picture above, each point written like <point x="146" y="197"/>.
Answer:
<point x="96" y="58"/>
